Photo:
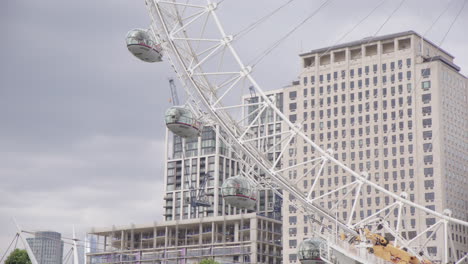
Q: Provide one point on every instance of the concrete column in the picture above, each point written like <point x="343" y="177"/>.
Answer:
<point x="132" y="237"/>
<point x="155" y="234"/>
<point x="176" y="234"/>
<point x="236" y="232"/>
<point x="213" y="232"/>
<point x="253" y="240"/>
<point x="216" y="176"/>
<point x="105" y="243"/>
<point x="200" y="231"/>
<point x="122" y="240"/>
<point x="113" y="235"/>
<point x="166" y="236"/>
<point x="224" y="230"/>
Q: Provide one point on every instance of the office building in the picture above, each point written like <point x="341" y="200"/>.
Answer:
<point x="47" y="247"/>
<point x="190" y="162"/>
<point x="394" y="106"/>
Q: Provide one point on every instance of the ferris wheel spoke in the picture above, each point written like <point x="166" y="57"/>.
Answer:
<point x="309" y="171"/>
<point x="181" y="4"/>
<point x="193" y="18"/>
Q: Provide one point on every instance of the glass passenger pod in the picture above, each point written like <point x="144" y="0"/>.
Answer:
<point x="142" y="46"/>
<point x="239" y="192"/>
<point x="309" y="251"/>
<point x="180" y="121"/>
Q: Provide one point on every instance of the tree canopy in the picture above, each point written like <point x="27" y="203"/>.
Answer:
<point x="208" y="261"/>
<point x="18" y="256"/>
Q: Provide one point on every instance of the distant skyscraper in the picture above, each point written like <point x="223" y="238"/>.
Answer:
<point x="47" y="247"/>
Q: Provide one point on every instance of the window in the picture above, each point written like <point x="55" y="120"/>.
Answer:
<point x="292" y="95"/>
<point x="427" y="122"/>
<point x="292" y="231"/>
<point x="305" y="80"/>
<point x="293" y="106"/>
<point x="428" y="172"/>
<point x="430" y="221"/>
<point x="292" y="118"/>
<point x="429" y="184"/>
<point x="428" y="159"/>
<point x="429" y="197"/>
<point x="426" y="98"/>
<point x="427" y="147"/>
<point x="426" y="72"/>
<point x="408" y="63"/>
<point x="426" y="85"/>
<point x="292" y="220"/>
<point x="426" y="110"/>
<point x="432" y="251"/>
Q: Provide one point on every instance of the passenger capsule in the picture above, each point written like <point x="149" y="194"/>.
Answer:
<point x="142" y="46"/>
<point x="239" y="192"/>
<point x="181" y="122"/>
<point x="309" y="251"/>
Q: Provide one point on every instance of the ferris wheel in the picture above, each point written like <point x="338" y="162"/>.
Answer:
<point x="191" y="37"/>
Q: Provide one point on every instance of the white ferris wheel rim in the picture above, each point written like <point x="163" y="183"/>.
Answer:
<point x="218" y="114"/>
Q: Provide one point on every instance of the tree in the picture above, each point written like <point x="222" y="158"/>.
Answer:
<point x="18" y="256"/>
<point x="208" y="261"/>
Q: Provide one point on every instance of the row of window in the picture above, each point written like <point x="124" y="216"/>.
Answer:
<point x="359" y="71"/>
<point x="392" y="90"/>
<point x="329" y="89"/>
<point x="425" y="73"/>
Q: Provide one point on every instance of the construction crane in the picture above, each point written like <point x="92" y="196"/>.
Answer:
<point x="174" y="96"/>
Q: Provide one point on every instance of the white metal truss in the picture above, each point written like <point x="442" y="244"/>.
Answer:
<point x="202" y="54"/>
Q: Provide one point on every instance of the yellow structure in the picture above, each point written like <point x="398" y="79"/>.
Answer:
<point x="382" y="248"/>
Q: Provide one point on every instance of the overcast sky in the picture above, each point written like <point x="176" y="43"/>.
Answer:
<point x="81" y="119"/>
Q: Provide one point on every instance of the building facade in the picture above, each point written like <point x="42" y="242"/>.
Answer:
<point x="47" y="247"/>
<point x="245" y="238"/>
<point x="195" y="171"/>
<point x="192" y="161"/>
<point x="394" y="106"/>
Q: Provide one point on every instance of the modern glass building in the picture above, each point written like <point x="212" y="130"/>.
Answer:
<point x="47" y="247"/>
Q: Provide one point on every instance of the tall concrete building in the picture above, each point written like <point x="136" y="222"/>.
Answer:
<point x="396" y="107"/>
<point x="191" y="233"/>
<point x="47" y="247"/>
<point x="189" y="161"/>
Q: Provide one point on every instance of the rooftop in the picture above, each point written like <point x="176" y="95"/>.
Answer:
<point x="369" y="40"/>
<point x="98" y="231"/>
